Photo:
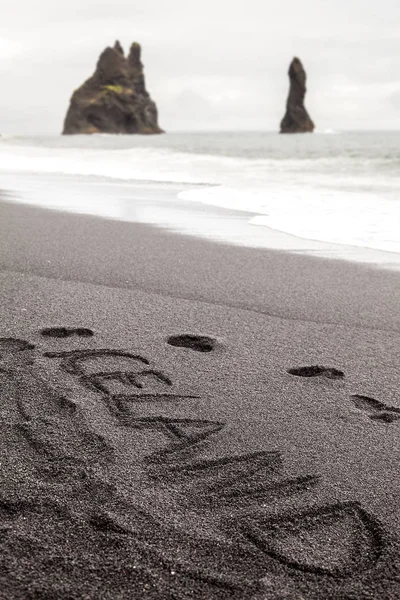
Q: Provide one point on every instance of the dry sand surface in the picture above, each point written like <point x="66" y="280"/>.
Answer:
<point x="156" y="444"/>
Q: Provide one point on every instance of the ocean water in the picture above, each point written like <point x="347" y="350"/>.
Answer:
<point x="333" y="187"/>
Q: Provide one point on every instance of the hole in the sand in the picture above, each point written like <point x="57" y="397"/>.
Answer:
<point x="316" y="371"/>
<point x="63" y="332"/>
<point x="200" y="343"/>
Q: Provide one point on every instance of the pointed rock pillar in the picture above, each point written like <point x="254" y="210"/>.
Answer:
<point x="296" y="119"/>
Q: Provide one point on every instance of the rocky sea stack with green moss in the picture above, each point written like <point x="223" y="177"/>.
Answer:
<point x="114" y="99"/>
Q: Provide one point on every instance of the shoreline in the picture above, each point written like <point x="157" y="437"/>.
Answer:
<point x="141" y="256"/>
<point x="159" y="204"/>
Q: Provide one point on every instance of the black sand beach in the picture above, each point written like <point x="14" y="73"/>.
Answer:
<point x="161" y="436"/>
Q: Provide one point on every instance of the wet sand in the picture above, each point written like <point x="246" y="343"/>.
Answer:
<point x="186" y="419"/>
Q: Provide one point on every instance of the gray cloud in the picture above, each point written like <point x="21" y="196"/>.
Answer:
<point x="217" y="64"/>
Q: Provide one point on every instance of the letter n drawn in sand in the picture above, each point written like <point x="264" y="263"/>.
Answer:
<point x="247" y="481"/>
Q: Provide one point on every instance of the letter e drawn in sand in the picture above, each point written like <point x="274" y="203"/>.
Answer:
<point x="119" y="376"/>
<point x="338" y="540"/>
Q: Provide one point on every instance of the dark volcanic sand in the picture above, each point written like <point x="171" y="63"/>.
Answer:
<point x="133" y="467"/>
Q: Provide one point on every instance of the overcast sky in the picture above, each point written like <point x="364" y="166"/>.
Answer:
<point x="209" y="64"/>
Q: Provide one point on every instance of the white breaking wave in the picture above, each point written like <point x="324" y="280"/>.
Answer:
<point x="350" y="218"/>
<point x="344" y="197"/>
<point x="140" y="164"/>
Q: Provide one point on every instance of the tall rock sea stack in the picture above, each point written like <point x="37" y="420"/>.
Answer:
<point x="296" y="119"/>
<point x="114" y="99"/>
